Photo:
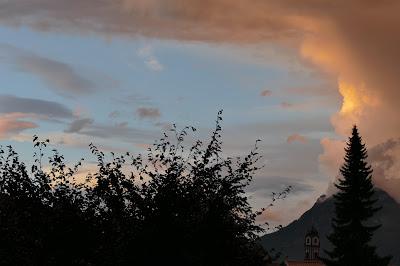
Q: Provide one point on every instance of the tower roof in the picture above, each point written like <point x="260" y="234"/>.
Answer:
<point x="312" y="232"/>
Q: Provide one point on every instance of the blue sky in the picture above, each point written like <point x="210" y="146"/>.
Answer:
<point x="295" y="75"/>
<point x="182" y="82"/>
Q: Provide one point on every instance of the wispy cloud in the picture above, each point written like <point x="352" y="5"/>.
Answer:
<point x="118" y="132"/>
<point x="296" y="137"/>
<point x="270" y="184"/>
<point x="287" y="105"/>
<point x="265" y="93"/>
<point x="18" y="114"/>
<point x="57" y="75"/>
<point x="148" y="112"/>
<point x="153" y="64"/>
<point x="14" y="123"/>
<point x="150" y="59"/>
<point x="114" y="114"/>
<point x="164" y="125"/>
<point x="133" y="99"/>
<point x="305" y="106"/>
<point x="14" y="104"/>
<point x="78" y="124"/>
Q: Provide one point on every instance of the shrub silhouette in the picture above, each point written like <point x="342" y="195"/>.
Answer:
<point x="176" y="206"/>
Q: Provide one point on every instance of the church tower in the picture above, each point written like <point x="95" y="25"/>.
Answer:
<point x="311" y="245"/>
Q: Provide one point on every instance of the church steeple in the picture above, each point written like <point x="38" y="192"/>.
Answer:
<point x="311" y="244"/>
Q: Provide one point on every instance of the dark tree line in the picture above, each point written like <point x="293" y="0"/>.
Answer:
<point x="177" y="206"/>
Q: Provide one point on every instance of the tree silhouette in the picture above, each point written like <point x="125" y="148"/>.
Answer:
<point x="354" y="208"/>
<point x="174" y="205"/>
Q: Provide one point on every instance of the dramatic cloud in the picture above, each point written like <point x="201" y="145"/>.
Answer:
<point x="13" y="123"/>
<point x="296" y="137"/>
<point x="355" y="42"/>
<point x="148" y="113"/>
<point x="14" y="104"/>
<point x="385" y="159"/>
<point x="78" y="124"/>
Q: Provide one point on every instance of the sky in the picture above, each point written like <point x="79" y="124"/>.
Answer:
<point x="297" y="74"/>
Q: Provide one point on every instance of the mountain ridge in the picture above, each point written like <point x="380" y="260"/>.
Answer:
<point x="290" y="239"/>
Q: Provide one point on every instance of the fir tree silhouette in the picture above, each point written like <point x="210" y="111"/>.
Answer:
<point x="355" y="205"/>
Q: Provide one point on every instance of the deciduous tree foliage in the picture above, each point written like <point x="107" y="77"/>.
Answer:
<point x="176" y="206"/>
<point x="355" y="205"/>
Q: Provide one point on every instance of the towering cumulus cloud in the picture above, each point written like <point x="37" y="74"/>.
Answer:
<point x="354" y="41"/>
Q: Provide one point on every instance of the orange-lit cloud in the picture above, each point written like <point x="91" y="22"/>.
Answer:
<point x="332" y="157"/>
<point x="296" y="137"/>
<point x="14" y="123"/>
<point x="384" y="159"/>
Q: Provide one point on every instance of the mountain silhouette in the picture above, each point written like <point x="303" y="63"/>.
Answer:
<point x="290" y="239"/>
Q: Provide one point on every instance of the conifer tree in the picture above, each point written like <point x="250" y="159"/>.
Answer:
<point x="355" y="205"/>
